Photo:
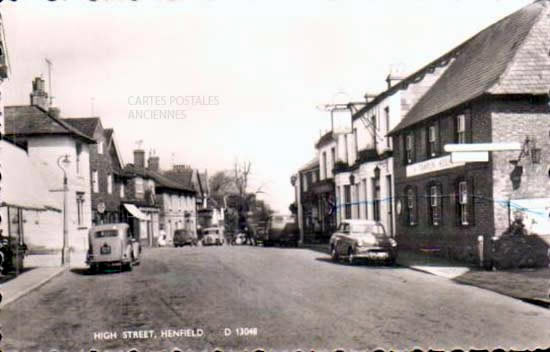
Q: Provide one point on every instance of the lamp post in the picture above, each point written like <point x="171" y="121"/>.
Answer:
<point x="63" y="163"/>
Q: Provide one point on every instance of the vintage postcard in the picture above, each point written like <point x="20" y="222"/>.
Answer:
<point x="332" y="175"/>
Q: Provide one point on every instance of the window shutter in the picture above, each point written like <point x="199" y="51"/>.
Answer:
<point x="471" y="201"/>
<point x="403" y="148"/>
<point x="441" y="198"/>
<point x="415" y="209"/>
<point x="438" y="137"/>
<point x="455" y="197"/>
<point x="414" y="143"/>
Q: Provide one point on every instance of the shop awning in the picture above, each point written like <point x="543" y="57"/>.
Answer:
<point x="136" y="213"/>
<point x="22" y="184"/>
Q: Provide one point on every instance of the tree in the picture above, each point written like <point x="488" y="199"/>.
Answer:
<point x="231" y="188"/>
<point x="241" y="172"/>
<point x="221" y="184"/>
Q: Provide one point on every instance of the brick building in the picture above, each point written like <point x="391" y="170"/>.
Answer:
<point x="494" y="90"/>
<point x="108" y="181"/>
<point x="307" y="201"/>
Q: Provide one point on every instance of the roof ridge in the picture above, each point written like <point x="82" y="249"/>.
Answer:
<point x="524" y="41"/>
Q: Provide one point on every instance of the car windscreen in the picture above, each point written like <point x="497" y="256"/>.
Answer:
<point x="375" y="229"/>
<point x="106" y="233"/>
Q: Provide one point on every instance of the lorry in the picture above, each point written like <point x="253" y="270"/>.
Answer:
<point x="279" y="229"/>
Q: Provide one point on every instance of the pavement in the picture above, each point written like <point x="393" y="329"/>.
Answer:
<point x="528" y="285"/>
<point x="38" y="270"/>
<point x="27" y="282"/>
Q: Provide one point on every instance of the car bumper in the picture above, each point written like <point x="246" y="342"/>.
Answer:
<point x="375" y="253"/>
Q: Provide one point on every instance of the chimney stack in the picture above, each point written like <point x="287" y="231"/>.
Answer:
<point x="139" y="158"/>
<point x="39" y="97"/>
<point x="153" y="163"/>
<point x="393" y="79"/>
<point x="55" y="112"/>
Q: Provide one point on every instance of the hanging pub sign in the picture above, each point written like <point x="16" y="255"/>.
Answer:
<point x="101" y="207"/>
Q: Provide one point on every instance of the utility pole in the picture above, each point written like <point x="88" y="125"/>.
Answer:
<point x="49" y="63"/>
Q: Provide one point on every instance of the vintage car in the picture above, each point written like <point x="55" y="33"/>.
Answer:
<point x="212" y="236"/>
<point x="112" y="245"/>
<point x="362" y="239"/>
<point x="183" y="237"/>
<point x="280" y="229"/>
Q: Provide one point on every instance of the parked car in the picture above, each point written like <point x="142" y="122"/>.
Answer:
<point x="212" y="236"/>
<point x="112" y="245"/>
<point x="183" y="237"/>
<point x="355" y="240"/>
<point x="280" y="229"/>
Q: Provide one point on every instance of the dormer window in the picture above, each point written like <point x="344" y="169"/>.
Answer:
<point x="100" y="147"/>
<point x="461" y="129"/>
<point x="432" y="141"/>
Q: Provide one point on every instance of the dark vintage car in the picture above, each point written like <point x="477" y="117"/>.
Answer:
<point x="112" y="245"/>
<point x="281" y="230"/>
<point x="356" y="240"/>
<point x="184" y="237"/>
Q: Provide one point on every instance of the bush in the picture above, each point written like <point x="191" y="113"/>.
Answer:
<point x="516" y="248"/>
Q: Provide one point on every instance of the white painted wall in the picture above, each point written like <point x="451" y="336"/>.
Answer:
<point x="44" y="153"/>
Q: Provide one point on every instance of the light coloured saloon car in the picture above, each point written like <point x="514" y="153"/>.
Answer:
<point x="212" y="236"/>
<point x="357" y="240"/>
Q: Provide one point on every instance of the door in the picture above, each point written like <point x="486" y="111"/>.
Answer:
<point x="342" y="240"/>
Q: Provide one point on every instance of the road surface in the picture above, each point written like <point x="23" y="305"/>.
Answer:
<point x="268" y="298"/>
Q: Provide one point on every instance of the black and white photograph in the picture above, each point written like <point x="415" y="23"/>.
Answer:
<point x="254" y="175"/>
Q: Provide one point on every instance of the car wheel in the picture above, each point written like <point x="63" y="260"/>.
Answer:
<point x="127" y="266"/>
<point x="93" y="268"/>
<point x="334" y="254"/>
<point x="351" y="257"/>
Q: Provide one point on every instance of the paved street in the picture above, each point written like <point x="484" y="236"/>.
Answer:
<point x="294" y="298"/>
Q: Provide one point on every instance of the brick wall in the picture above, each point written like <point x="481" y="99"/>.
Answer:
<point x="450" y="238"/>
<point x="105" y="164"/>
<point x="513" y="120"/>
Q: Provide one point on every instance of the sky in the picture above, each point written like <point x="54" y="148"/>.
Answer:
<point x="207" y="83"/>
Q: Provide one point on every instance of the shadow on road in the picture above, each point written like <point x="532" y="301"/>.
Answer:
<point x="365" y="264"/>
<point x="88" y="272"/>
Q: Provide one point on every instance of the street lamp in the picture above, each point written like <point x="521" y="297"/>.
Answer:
<point x="63" y="163"/>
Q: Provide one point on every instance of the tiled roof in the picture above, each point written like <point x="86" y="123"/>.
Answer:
<point x="28" y="120"/>
<point x="204" y="181"/>
<point x="326" y="138"/>
<point x="86" y="125"/>
<point x="314" y="163"/>
<point x="508" y="57"/>
<point x="166" y="182"/>
<point x="183" y="176"/>
<point x="108" y="133"/>
<point x="161" y="180"/>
